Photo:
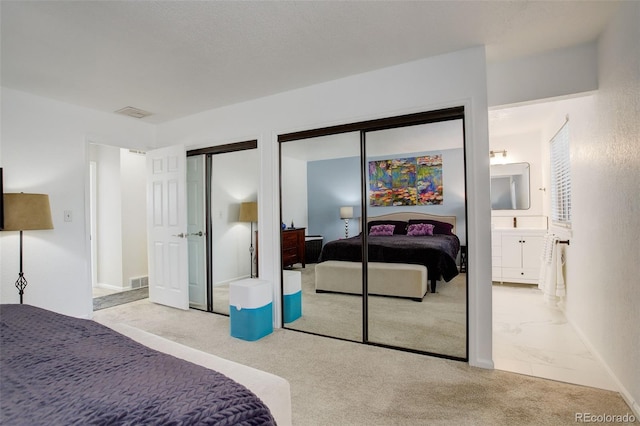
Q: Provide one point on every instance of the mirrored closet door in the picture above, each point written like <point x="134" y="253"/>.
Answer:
<point x="383" y="208"/>
<point x="320" y="197"/>
<point x="417" y="297"/>
<point x="222" y="196"/>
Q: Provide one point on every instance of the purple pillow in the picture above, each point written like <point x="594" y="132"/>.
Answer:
<point x="400" y="225"/>
<point x="439" y="227"/>
<point x="419" y="229"/>
<point x="378" y="230"/>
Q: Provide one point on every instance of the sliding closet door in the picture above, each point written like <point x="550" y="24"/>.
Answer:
<point x="320" y="200"/>
<point x="414" y="171"/>
<point x="334" y="182"/>
<point x="222" y="248"/>
<point x="234" y="181"/>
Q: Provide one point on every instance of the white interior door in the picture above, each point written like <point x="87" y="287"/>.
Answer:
<point x="167" y="227"/>
<point x="197" y="232"/>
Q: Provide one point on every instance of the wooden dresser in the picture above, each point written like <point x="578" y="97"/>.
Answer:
<point x="293" y="247"/>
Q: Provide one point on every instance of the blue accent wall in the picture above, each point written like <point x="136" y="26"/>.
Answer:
<point x="336" y="183"/>
<point x="333" y="184"/>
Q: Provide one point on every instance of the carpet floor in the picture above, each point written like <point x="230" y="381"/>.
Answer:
<point x="435" y="325"/>
<point x="336" y="382"/>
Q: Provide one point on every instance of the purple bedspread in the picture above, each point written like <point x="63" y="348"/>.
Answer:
<point x="437" y="252"/>
<point x="59" y="370"/>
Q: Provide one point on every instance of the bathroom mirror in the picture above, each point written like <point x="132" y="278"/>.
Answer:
<point x="510" y="186"/>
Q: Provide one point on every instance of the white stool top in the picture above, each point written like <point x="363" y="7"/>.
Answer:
<point x="250" y="293"/>
<point x="292" y="281"/>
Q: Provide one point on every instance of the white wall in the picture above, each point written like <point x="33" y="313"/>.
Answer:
<point x="234" y="180"/>
<point x="550" y="74"/>
<point x="294" y="193"/>
<point x="603" y="292"/>
<point x="44" y="146"/>
<point x="121" y="228"/>
<point x="108" y="216"/>
<point x="133" y="189"/>
<point x="458" y="78"/>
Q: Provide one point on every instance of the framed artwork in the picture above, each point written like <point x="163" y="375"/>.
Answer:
<point x="409" y="181"/>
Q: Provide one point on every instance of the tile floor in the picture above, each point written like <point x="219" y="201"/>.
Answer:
<point x="99" y="291"/>
<point x="533" y="338"/>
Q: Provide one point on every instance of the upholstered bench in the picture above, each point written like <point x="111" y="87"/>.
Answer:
<point x="385" y="279"/>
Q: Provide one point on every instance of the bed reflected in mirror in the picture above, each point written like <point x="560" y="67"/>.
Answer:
<point x="359" y="215"/>
<point x="417" y="296"/>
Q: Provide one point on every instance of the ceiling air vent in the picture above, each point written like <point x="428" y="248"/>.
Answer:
<point x="133" y="112"/>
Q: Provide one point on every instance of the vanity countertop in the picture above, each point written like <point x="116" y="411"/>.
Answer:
<point x="521" y="222"/>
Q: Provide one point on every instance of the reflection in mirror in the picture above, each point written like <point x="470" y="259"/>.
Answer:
<point x="410" y="172"/>
<point x="510" y="186"/>
<point x="417" y="297"/>
<point x="319" y="176"/>
<point x="234" y="181"/>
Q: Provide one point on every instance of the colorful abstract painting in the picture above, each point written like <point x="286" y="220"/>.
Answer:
<point x="412" y="181"/>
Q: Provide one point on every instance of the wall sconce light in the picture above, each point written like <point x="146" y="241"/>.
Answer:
<point x="493" y="153"/>
<point x="346" y="213"/>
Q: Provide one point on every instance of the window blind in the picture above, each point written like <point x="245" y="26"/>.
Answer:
<point x="561" y="177"/>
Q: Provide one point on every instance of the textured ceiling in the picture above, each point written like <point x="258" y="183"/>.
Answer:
<point x="175" y="58"/>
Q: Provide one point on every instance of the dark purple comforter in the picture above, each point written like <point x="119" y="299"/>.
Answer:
<point x="437" y="252"/>
<point x="68" y="371"/>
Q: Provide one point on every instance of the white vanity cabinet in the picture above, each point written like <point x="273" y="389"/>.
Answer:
<point x="516" y="255"/>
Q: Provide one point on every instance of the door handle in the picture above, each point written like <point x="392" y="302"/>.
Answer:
<point x="197" y="234"/>
<point x="180" y="235"/>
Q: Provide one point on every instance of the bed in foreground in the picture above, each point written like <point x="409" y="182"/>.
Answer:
<point x="397" y="247"/>
<point x="57" y="369"/>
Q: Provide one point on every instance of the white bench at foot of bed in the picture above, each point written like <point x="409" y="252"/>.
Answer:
<point x="385" y="279"/>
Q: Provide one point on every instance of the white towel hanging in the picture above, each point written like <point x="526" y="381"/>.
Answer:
<point x="551" y="280"/>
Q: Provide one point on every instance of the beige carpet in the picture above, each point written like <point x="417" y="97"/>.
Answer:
<point x="335" y="382"/>
<point x="436" y="325"/>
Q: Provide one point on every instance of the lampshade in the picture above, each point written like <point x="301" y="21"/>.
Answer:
<point x="23" y="212"/>
<point x="346" y="212"/>
<point x="248" y="212"/>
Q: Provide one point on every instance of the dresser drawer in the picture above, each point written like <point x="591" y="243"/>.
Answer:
<point x="289" y="239"/>
<point x="289" y="251"/>
<point x="293" y="247"/>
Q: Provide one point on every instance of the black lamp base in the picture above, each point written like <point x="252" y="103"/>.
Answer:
<point x="21" y="283"/>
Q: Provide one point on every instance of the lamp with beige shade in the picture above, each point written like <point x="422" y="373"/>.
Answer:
<point x="26" y="212"/>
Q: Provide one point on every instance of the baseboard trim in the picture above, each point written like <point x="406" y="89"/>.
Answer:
<point x="112" y="287"/>
<point x="626" y="395"/>
<point x="482" y="363"/>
